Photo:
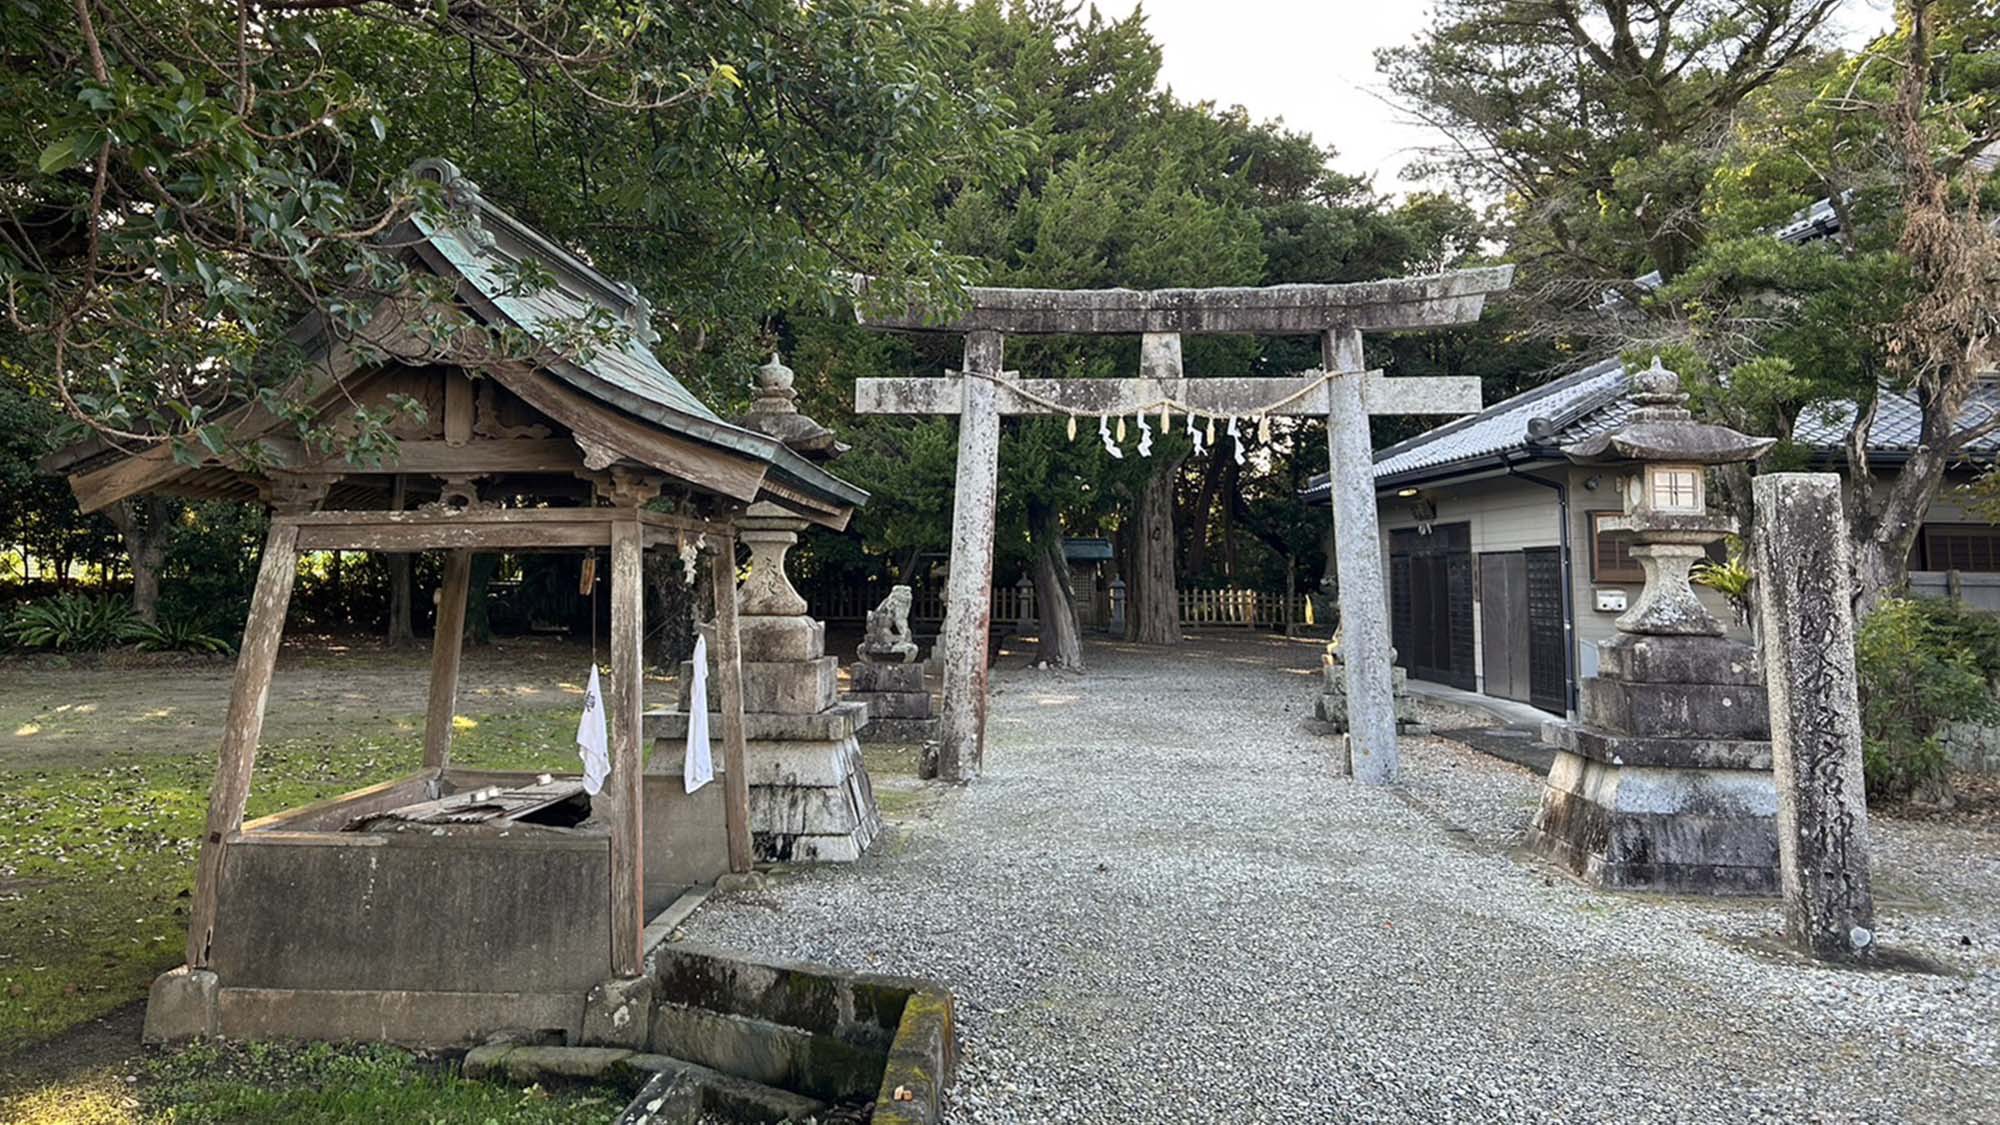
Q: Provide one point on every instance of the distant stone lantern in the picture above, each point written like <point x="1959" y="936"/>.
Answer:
<point x="1666" y="499"/>
<point x="1664" y="781"/>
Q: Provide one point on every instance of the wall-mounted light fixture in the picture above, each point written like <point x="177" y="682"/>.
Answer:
<point x="1406" y="493"/>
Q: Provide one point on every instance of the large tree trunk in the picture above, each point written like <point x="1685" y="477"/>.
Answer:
<point x="1942" y="340"/>
<point x="402" y="633"/>
<point x="1153" y="616"/>
<point x="144" y="524"/>
<point x="1199" y="515"/>
<point x="1884" y="523"/>
<point x="1055" y="600"/>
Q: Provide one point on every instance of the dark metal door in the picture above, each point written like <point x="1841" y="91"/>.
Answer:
<point x="1430" y="603"/>
<point x="1548" y="673"/>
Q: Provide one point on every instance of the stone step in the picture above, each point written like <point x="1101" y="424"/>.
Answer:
<point x="672" y="1091"/>
<point x="773" y="1054"/>
<point x="666" y="1099"/>
<point x="720" y="1095"/>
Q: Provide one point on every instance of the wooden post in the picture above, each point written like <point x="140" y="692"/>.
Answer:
<point x="1291" y="594"/>
<point x="447" y="646"/>
<point x="624" y="789"/>
<point x="247" y="696"/>
<point x="729" y="687"/>
<point x="968" y="592"/>
<point x="1364" y="604"/>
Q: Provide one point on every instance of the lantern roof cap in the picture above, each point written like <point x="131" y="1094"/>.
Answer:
<point x="1661" y="429"/>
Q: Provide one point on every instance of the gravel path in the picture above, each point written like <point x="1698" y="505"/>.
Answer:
<point x="1159" y="905"/>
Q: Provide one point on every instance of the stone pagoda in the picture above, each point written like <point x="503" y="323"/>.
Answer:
<point x="1664" y="783"/>
<point x="810" y="797"/>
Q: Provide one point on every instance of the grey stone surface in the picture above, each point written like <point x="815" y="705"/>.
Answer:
<point x="781" y="638"/>
<point x="573" y="1064"/>
<point x="902" y="732"/>
<point x="665" y="1098"/>
<point x="1364" y="599"/>
<point x="1330" y="711"/>
<point x="615" y="1012"/>
<point x="1147" y="924"/>
<point x="1674" y="710"/>
<point x="865" y="677"/>
<point x="484" y="1060"/>
<point x="791" y="687"/>
<point x="897" y="704"/>
<point x="725" y="1096"/>
<point x="968" y="600"/>
<point x="181" y="1005"/>
<point x="1807" y="624"/>
<point x="814" y="1064"/>
<point x="1435" y="300"/>
<point x="1708" y="660"/>
<point x="831" y="725"/>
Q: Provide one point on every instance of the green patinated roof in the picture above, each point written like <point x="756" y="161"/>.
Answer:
<point x="481" y="243"/>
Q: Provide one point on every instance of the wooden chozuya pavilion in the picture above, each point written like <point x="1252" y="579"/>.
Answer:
<point x="449" y="902"/>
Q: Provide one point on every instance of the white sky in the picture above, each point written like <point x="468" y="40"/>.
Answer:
<point x="1312" y="63"/>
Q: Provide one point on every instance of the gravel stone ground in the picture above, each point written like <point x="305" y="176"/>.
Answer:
<point x="1159" y="904"/>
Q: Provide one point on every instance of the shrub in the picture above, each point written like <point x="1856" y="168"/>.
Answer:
<point x="1922" y="664"/>
<point x="178" y="634"/>
<point x="74" y="623"/>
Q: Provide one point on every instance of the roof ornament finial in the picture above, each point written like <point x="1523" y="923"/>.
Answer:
<point x="638" y="315"/>
<point x="1657" y="386"/>
<point x="462" y="200"/>
<point x="775" y="412"/>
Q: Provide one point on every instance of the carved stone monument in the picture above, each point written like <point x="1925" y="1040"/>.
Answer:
<point x="1665" y="782"/>
<point x="1806" y="620"/>
<point x="810" y="797"/>
<point x="889" y="678"/>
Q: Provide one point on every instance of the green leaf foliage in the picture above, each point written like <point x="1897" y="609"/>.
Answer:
<point x="1922" y="664"/>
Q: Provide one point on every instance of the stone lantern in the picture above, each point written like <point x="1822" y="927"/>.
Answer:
<point x="1665" y="454"/>
<point x="810" y="795"/>
<point x="1664" y="783"/>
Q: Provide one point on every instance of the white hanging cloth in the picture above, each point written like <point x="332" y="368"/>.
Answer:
<point x="699" y="768"/>
<point x="593" y="740"/>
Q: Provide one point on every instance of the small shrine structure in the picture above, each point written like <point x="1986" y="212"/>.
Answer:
<point x="447" y="903"/>
<point x="1664" y="783"/>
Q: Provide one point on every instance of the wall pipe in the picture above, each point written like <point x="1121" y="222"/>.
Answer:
<point x="1568" y="579"/>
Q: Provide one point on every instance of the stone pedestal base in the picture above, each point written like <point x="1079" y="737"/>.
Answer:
<point x="182" y="1005"/>
<point x="1665" y="785"/>
<point x="810" y="797"/>
<point x="899" y="702"/>
<point x="1330" y="709"/>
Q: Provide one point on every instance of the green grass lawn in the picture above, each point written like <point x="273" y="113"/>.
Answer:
<point x="97" y="861"/>
<point x="209" y="1083"/>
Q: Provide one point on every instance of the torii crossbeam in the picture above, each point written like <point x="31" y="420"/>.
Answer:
<point x="1338" y="314"/>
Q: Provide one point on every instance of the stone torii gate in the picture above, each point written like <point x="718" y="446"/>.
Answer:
<point x="1344" y="393"/>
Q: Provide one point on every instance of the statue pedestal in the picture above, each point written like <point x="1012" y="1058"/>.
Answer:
<point x="1665" y="784"/>
<point x="898" y="701"/>
<point x="1330" y="709"/>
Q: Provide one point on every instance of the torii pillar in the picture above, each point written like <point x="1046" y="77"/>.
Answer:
<point x="1345" y="393"/>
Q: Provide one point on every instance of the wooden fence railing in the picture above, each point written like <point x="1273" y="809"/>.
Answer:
<point x="1014" y="607"/>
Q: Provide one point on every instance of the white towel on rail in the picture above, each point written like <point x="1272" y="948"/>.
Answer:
<point x="699" y="768"/>
<point x="593" y="741"/>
